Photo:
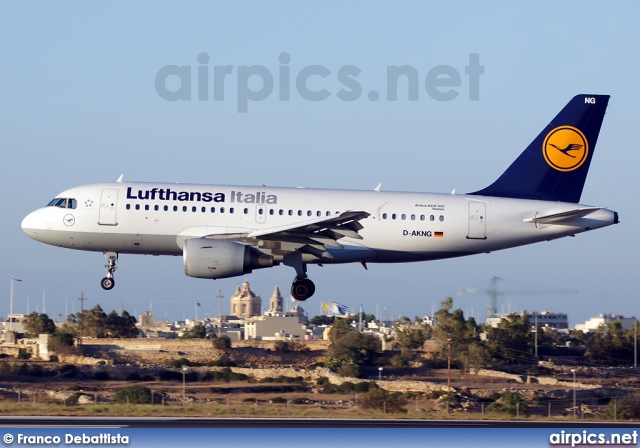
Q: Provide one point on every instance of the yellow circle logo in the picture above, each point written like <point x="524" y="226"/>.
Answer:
<point x="565" y="148"/>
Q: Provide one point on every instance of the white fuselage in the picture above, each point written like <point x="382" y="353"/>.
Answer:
<point x="155" y="218"/>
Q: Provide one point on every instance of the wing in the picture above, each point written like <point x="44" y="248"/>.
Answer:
<point x="309" y="237"/>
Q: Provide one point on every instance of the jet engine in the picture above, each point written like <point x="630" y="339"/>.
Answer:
<point x="207" y="258"/>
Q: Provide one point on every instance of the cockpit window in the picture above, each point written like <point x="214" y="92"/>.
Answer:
<point x="63" y="203"/>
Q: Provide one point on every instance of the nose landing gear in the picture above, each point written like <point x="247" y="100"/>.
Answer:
<point x="109" y="282"/>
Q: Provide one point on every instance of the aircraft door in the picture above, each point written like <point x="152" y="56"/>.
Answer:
<point x="108" y="207"/>
<point x="477" y="220"/>
<point x="261" y="213"/>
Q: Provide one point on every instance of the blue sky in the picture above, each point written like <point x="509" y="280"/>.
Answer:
<point x="80" y="106"/>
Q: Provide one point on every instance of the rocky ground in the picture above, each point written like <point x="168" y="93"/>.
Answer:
<point x="543" y="386"/>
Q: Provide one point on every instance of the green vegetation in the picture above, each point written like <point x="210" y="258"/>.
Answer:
<point x="35" y="324"/>
<point x="197" y="332"/>
<point x="625" y="408"/>
<point x="509" y="403"/>
<point x="290" y="346"/>
<point x="222" y="343"/>
<point x="380" y="399"/>
<point x="134" y="395"/>
<point x="97" y="324"/>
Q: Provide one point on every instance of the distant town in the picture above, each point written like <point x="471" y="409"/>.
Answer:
<point x="515" y="364"/>
<point x="247" y="321"/>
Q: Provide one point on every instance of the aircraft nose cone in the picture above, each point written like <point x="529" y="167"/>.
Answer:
<point x="30" y="226"/>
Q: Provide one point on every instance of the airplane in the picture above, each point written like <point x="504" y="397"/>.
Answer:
<point x="228" y="231"/>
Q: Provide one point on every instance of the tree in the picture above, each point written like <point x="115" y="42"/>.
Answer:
<point x="121" y="326"/>
<point x="476" y="356"/>
<point x="349" y="370"/>
<point x="511" y="340"/>
<point x="36" y="324"/>
<point x="339" y="328"/>
<point x="627" y="407"/>
<point x="322" y="320"/>
<point x="222" y="343"/>
<point x="411" y="337"/>
<point x="355" y="348"/>
<point x="134" y="395"/>
<point x="96" y="323"/>
<point x="197" y="332"/>
<point x="380" y="399"/>
<point x="611" y="345"/>
<point x="454" y="327"/>
<point x="62" y="343"/>
<point x="509" y="403"/>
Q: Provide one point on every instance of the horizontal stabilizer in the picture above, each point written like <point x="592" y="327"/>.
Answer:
<point x="558" y="218"/>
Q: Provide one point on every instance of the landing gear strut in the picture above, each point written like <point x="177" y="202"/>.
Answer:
<point x="109" y="282"/>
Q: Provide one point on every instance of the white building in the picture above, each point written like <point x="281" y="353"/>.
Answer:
<point x="594" y="323"/>
<point x="291" y="326"/>
<point x="544" y="319"/>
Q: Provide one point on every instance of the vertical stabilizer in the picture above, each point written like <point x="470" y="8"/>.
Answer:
<point x="555" y="165"/>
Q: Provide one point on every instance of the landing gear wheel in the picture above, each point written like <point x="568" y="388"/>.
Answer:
<point x="107" y="283"/>
<point x="302" y="289"/>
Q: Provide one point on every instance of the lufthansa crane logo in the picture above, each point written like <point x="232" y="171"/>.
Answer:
<point x="565" y="148"/>
<point x="69" y="220"/>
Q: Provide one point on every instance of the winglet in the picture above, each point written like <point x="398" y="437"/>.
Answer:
<point x="378" y="187"/>
<point x="120" y="178"/>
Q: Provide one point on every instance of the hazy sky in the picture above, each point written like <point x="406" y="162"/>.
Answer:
<point x="80" y="105"/>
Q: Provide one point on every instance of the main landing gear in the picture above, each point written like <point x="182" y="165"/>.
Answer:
<point x="109" y="282"/>
<point x="302" y="287"/>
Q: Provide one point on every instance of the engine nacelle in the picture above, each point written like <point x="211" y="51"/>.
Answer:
<point x="207" y="258"/>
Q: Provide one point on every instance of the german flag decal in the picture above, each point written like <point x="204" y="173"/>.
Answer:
<point x="438" y="234"/>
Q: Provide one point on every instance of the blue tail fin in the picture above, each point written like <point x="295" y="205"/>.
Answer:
<point x="555" y="165"/>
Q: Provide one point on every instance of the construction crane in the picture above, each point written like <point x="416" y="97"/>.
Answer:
<point x="493" y="293"/>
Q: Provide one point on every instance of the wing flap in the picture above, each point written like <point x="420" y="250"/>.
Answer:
<point x="311" y="237"/>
